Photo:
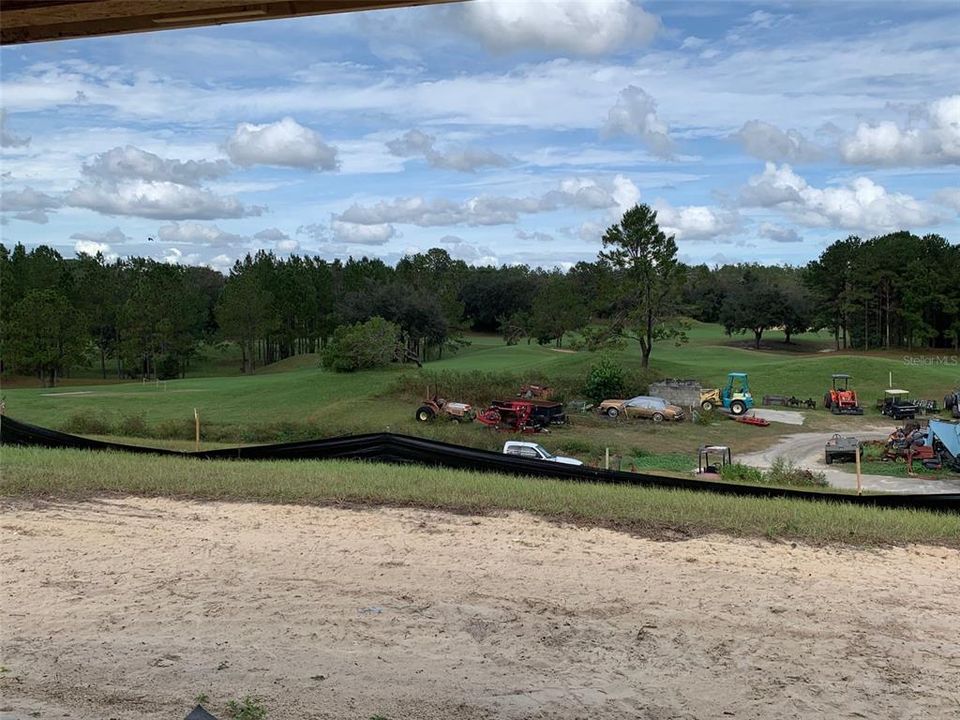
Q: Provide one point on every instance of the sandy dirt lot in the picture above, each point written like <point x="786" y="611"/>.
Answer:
<point x="130" y="608"/>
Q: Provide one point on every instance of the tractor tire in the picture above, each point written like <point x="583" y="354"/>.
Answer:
<point x="706" y="405"/>
<point x="658" y="417"/>
<point x="948" y="401"/>
<point x="425" y="414"/>
<point x="737" y="407"/>
<point x="612" y="412"/>
<point x="827" y="401"/>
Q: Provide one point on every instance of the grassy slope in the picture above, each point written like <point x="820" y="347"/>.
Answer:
<point x="297" y="391"/>
<point x="30" y="472"/>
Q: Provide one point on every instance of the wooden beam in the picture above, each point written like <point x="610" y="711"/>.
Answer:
<point x="29" y="21"/>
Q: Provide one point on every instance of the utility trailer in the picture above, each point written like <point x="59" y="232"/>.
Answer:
<point x="842" y="449"/>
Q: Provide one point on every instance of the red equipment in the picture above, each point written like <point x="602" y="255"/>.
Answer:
<point x="749" y="420"/>
<point x="840" y="399"/>
<point x="510" y="416"/>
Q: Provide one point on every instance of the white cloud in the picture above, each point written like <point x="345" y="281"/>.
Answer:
<point x="158" y="200"/>
<point x="949" y="197"/>
<point x="362" y="234"/>
<point x="90" y="247"/>
<point x="635" y="114"/>
<point x="577" y="192"/>
<point x="415" y="143"/>
<point x="8" y="138"/>
<point x="460" y="249"/>
<point x="191" y="233"/>
<point x="768" y="142"/>
<point x="936" y="141"/>
<point x="574" y="26"/>
<point x="132" y="163"/>
<point x="860" y="205"/>
<point x="536" y="236"/>
<point x="114" y="236"/>
<point x="779" y="234"/>
<point x="695" y="222"/>
<point x="279" y="239"/>
<point x="29" y="205"/>
<point x="285" y="143"/>
<point x="175" y="256"/>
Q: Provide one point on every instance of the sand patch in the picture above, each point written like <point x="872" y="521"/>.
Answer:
<point x="129" y="608"/>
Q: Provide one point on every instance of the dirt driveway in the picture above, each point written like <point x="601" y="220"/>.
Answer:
<point x="806" y="449"/>
<point x="130" y="608"/>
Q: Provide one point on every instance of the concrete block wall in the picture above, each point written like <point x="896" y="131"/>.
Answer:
<point x="685" y="393"/>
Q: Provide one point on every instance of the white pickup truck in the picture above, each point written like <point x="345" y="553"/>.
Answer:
<point x="535" y="452"/>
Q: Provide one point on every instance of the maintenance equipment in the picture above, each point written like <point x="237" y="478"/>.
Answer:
<point x="721" y="458"/>
<point x="735" y="397"/>
<point x="840" y="399"/>
<point x="895" y="404"/>
<point x="842" y="449"/>
<point x="952" y="403"/>
<point x="436" y="406"/>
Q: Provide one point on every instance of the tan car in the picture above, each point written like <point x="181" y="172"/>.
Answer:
<point x="642" y="406"/>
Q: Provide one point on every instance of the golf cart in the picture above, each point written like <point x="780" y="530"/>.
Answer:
<point x="895" y="404"/>
<point x="711" y="459"/>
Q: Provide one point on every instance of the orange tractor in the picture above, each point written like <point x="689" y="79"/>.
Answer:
<point x="841" y="399"/>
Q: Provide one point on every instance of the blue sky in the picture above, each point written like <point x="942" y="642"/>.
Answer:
<point x="503" y="131"/>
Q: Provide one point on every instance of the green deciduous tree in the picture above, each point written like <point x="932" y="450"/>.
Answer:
<point x="362" y="346"/>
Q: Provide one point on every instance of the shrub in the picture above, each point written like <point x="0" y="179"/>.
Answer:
<point x="168" y="368"/>
<point x="362" y="346"/>
<point x="605" y="380"/>
<point x="134" y="426"/>
<point x="784" y="471"/>
<point x="737" y="472"/>
<point x="84" y="422"/>
<point x="250" y="708"/>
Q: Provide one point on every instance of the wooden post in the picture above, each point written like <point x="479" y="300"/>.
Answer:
<point x="606" y="463"/>
<point x="890" y="380"/>
<point x="196" y="423"/>
<point x="859" y="484"/>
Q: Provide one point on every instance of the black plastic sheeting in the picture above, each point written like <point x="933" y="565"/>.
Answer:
<point x="404" y="449"/>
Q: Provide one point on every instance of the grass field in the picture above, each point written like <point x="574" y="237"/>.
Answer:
<point x="31" y="472"/>
<point x="294" y="398"/>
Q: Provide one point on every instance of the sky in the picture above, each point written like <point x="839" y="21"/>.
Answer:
<point x="504" y="131"/>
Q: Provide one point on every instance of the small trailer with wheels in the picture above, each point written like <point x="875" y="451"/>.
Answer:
<point x="842" y="449"/>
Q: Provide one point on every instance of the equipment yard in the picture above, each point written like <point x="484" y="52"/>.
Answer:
<point x="350" y="613"/>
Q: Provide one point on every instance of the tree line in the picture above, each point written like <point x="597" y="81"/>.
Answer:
<point x="137" y="317"/>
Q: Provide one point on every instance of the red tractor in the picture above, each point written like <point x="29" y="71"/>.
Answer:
<point x="511" y="416"/>
<point x="841" y="399"/>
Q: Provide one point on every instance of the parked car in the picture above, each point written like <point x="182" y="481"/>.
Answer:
<point x="642" y="406"/>
<point x="535" y="451"/>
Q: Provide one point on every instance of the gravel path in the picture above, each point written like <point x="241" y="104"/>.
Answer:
<point x="806" y="449"/>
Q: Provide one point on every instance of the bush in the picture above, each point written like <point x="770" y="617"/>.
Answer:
<point x="784" y="471"/>
<point x="740" y="473"/>
<point x="605" y="380"/>
<point x="362" y="346"/>
<point x="86" y="423"/>
<point x="134" y="426"/>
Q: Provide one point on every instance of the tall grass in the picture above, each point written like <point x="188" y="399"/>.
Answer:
<point x="34" y="472"/>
